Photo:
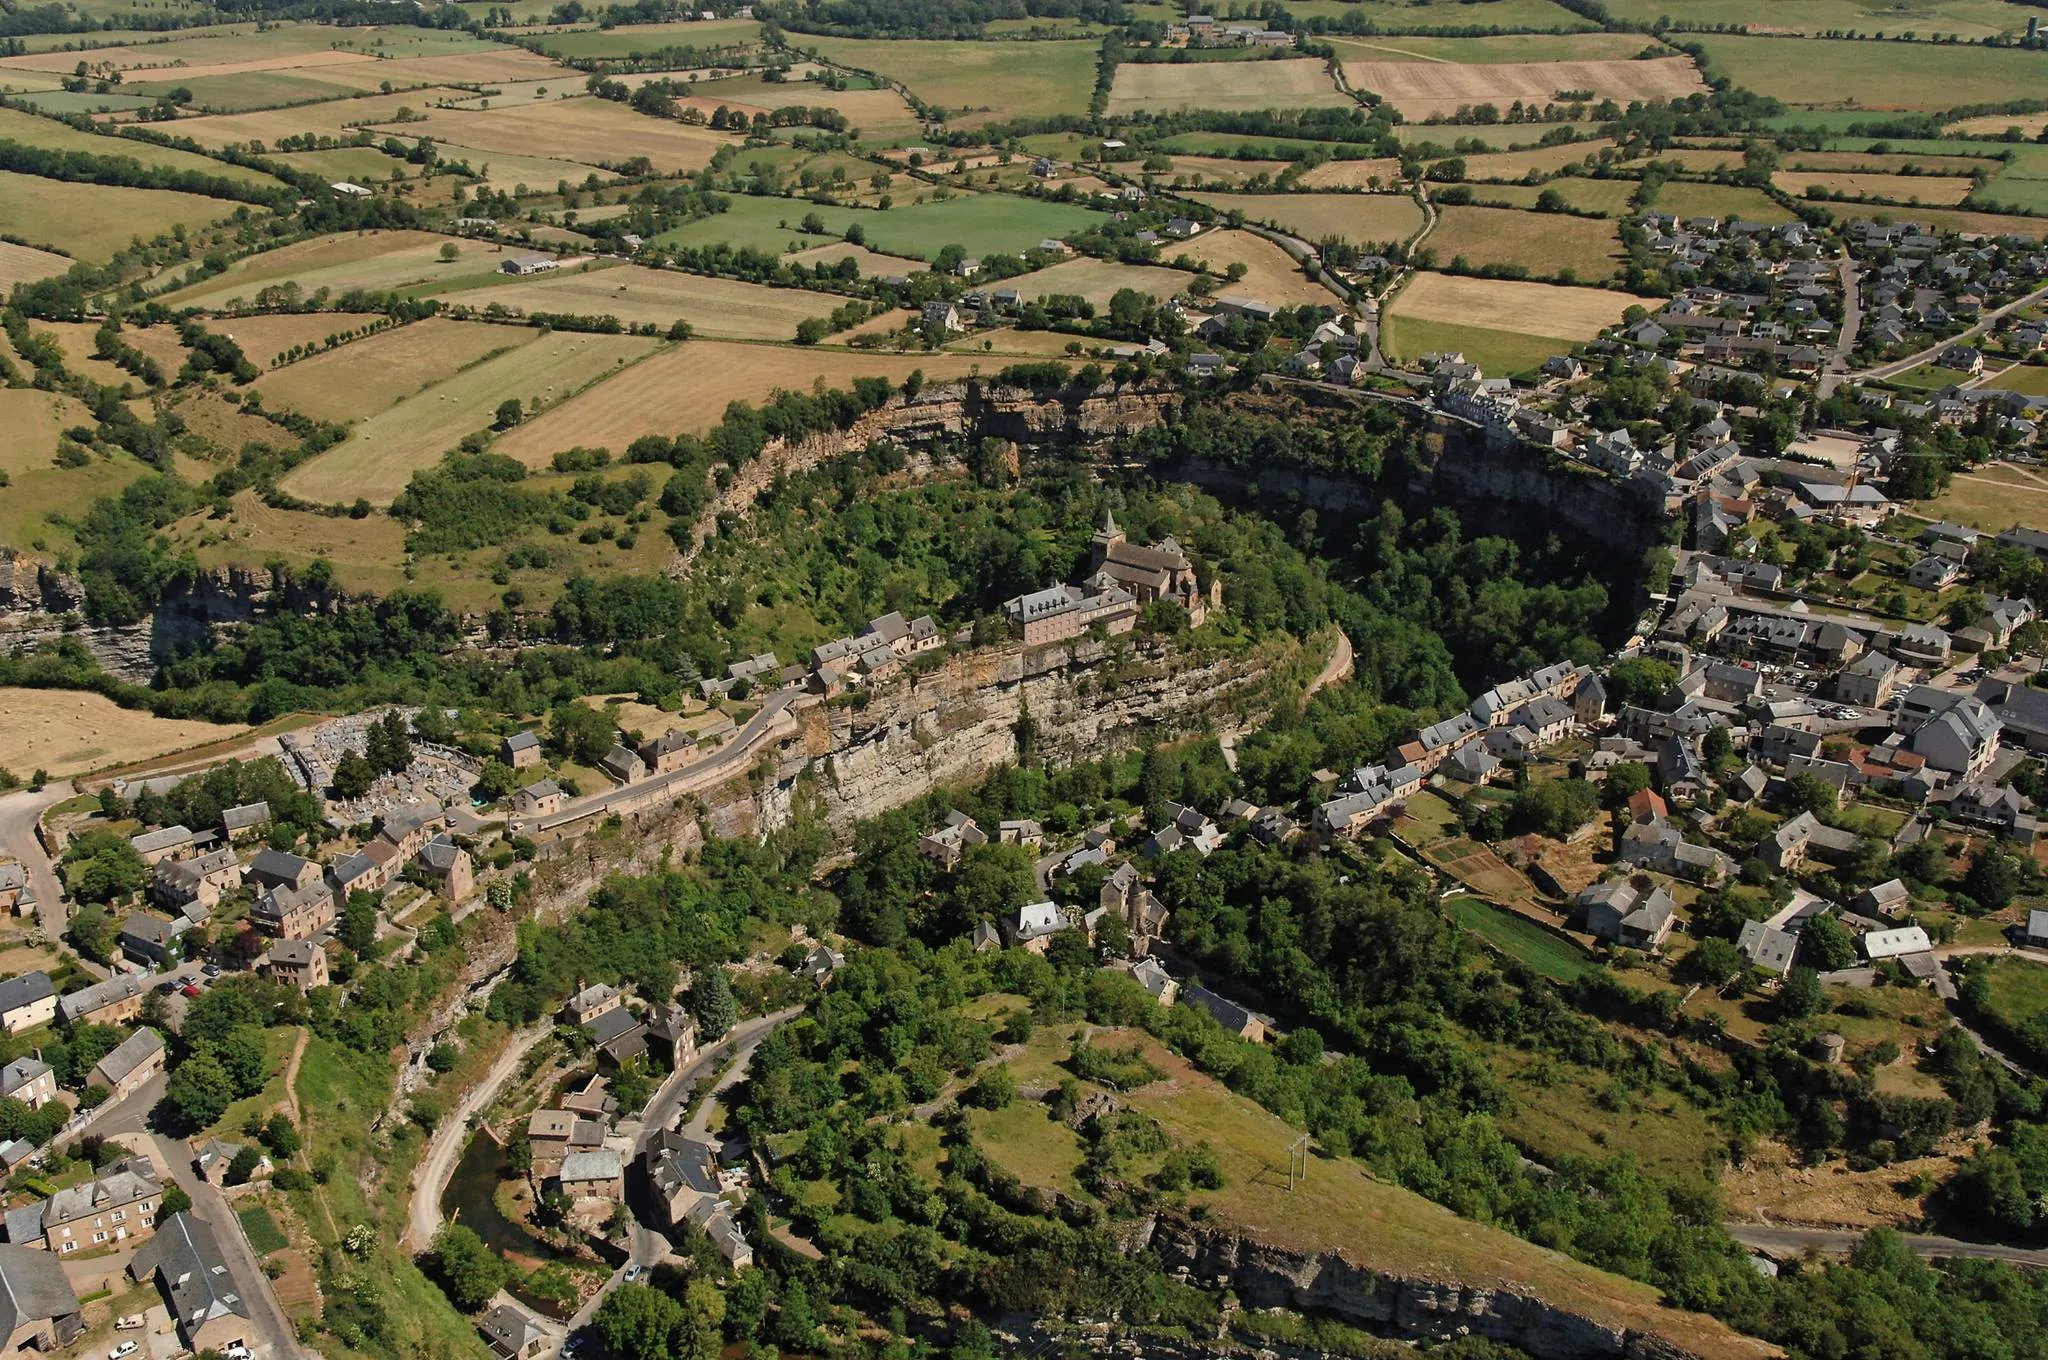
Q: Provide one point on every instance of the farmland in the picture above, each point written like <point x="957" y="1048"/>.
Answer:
<point x="1945" y="190"/>
<point x="1968" y="19"/>
<point x="1579" y="246"/>
<point x="1509" y="49"/>
<point x="1610" y="197"/>
<point x="1683" y="199"/>
<point x="382" y="453"/>
<point x="92" y="221"/>
<point x="737" y="35"/>
<point x="367" y="376"/>
<point x="1099" y="280"/>
<point x="1359" y="218"/>
<point x="377" y="261"/>
<point x="24" y="264"/>
<point x="1816" y="72"/>
<point x="1498" y="352"/>
<point x="1538" y="309"/>
<point x="686" y="390"/>
<point x="1421" y="88"/>
<point x="1232" y="87"/>
<point x="68" y="732"/>
<point x="974" y="81"/>
<point x="50" y="135"/>
<point x="1271" y="275"/>
<point x="592" y="130"/>
<point x="333" y="117"/>
<point x="725" y="308"/>
<point x="980" y="224"/>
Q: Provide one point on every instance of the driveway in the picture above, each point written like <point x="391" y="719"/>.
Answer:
<point x="19" y="812"/>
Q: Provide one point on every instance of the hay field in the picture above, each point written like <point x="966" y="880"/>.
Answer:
<point x="264" y="338"/>
<point x="1544" y="309"/>
<point x="1420" y="88"/>
<point x="582" y="129"/>
<point x="685" y="390"/>
<point x="1545" y="246"/>
<point x="226" y="429"/>
<point x="332" y="117"/>
<point x="188" y="47"/>
<point x="247" y="90"/>
<point x="1271" y="275"/>
<point x="1497" y="352"/>
<point x="2031" y="125"/>
<point x="383" y="452"/>
<point x="880" y="116"/>
<point x="92" y="221"/>
<point x="489" y="68"/>
<point x="378" y="260"/>
<point x="37" y="487"/>
<point x="1099" y="280"/>
<point x="1543" y="160"/>
<point x="1963" y="162"/>
<point x="1359" y="218"/>
<point x="1608" y="196"/>
<point x="1819" y="73"/>
<point x="1686" y="199"/>
<point x="1511" y="49"/>
<point x="507" y="172"/>
<point x="1352" y="174"/>
<point x="1946" y="190"/>
<point x="726" y="308"/>
<point x="1230" y="87"/>
<point x="68" y="731"/>
<point x="283" y="61"/>
<point x="24" y="264"/>
<point x="51" y="135"/>
<point x="1698" y="159"/>
<point x="75" y="338"/>
<point x="374" y="374"/>
<point x="625" y="40"/>
<point x="30" y="421"/>
<point x="369" y="553"/>
<point x="983" y="81"/>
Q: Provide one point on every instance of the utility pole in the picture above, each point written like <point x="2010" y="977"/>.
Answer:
<point x="1297" y="1157"/>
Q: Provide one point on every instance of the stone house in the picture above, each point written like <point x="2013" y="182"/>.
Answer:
<point x="199" y="1290"/>
<point x="138" y="1058"/>
<point x="27" y="1001"/>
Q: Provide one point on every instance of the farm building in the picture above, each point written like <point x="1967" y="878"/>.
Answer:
<point x="529" y="264"/>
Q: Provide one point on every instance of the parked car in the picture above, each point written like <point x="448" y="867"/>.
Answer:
<point x="126" y="1348"/>
<point x="634" y="1272"/>
<point x="190" y="990"/>
<point x="132" y="1322"/>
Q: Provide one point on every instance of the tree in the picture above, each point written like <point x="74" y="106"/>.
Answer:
<point x="640" y="1323"/>
<point x="1825" y="944"/>
<point x="1803" y="995"/>
<point x="389" y="744"/>
<point x="994" y="1090"/>
<point x="1717" y="748"/>
<point x="1112" y="936"/>
<point x="1810" y="793"/>
<point x="580" y="733"/>
<point x="508" y="414"/>
<point x="1625" y="779"/>
<point x="176" y="1201"/>
<point x="1556" y="807"/>
<point x="243" y="1059"/>
<point x="353" y="776"/>
<point x="359" y="922"/>
<point x="101" y="866"/>
<point x="468" y="1272"/>
<point x="1715" y="961"/>
<point x="199" y="1091"/>
<point x="244" y="1165"/>
<point x="1638" y="679"/>
<point x="1993" y="879"/>
<point x="711" y="1001"/>
<point x="280" y="1137"/>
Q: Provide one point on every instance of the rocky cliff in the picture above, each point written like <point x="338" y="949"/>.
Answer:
<point x="1265" y="1276"/>
<point x="1085" y="698"/>
<point x="953" y="410"/>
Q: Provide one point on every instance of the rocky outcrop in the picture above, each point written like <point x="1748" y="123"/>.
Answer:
<point x="1265" y="1276"/>
<point x="940" y="411"/>
<point x="1085" y="698"/>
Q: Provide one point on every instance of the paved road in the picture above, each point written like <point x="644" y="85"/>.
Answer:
<point x="1776" y="1241"/>
<point x="272" y="1335"/>
<point x="1898" y="366"/>
<point x="451" y="1135"/>
<point x="1338" y="667"/>
<point x="734" y="752"/>
<point x="18" y="814"/>
<point x="1852" y="324"/>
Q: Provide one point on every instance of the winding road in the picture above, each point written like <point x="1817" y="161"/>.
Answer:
<point x="19" y="812"/>
<point x="444" y="1149"/>
<point x="1777" y="1241"/>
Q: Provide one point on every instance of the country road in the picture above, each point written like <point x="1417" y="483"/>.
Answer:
<point x="1338" y="667"/>
<point x="1773" y="1240"/>
<point x="19" y="812"/>
<point x="423" y="1218"/>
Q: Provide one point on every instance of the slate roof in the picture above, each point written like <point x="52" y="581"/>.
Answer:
<point x="32" y="1287"/>
<point x="187" y="1260"/>
<point x="26" y="990"/>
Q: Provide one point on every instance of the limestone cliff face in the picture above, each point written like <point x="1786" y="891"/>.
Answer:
<point x="1085" y="698"/>
<point x="939" y="411"/>
<point x="1266" y="1276"/>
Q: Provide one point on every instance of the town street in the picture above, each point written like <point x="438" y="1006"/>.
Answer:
<point x="19" y="812"/>
<point x="715" y="766"/>
<point x="272" y="1336"/>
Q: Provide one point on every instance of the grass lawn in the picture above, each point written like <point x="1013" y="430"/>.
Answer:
<point x="277" y="1047"/>
<point x="2031" y="379"/>
<point x="627" y="39"/>
<point x="1521" y="940"/>
<point x="2019" y="990"/>
<point x="1498" y="352"/>
<point x="1035" y="1148"/>
<point x="1993" y="501"/>
<point x="1609" y="196"/>
<point x="1932" y="377"/>
<point x="1428" y="819"/>
<point x="261" y="1229"/>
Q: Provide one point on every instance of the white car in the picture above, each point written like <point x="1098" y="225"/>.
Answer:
<point x="126" y="1348"/>
<point x="236" y="1351"/>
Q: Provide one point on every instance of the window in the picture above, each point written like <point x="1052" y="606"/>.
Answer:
<point x="120" y="1215"/>
<point x="99" y="1237"/>
<point x="71" y="1246"/>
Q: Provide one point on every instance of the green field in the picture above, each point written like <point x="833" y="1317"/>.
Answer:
<point x="92" y="221"/>
<point x="1498" y="352"/>
<point x="380" y="261"/>
<point x="63" y="101"/>
<point x="1359" y="218"/>
<point x="1520" y="939"/>
<point x="1545" y="246"/>
<point x="980" y="224"/>
<point x="1965" y="18"/>
<point x="1875" y="75"/>
<point x="983" y="81"/>
<point x="1607" y="196"/>
<point x="1684" y="198"/>
<point x="262" y="1231"/>
<point x="2031" y="379"/>
<point x="2019" y="990"/>
<point x="27" y="128"/>
<point x="1535" y="16"/>
<point x="628" y="39"/>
